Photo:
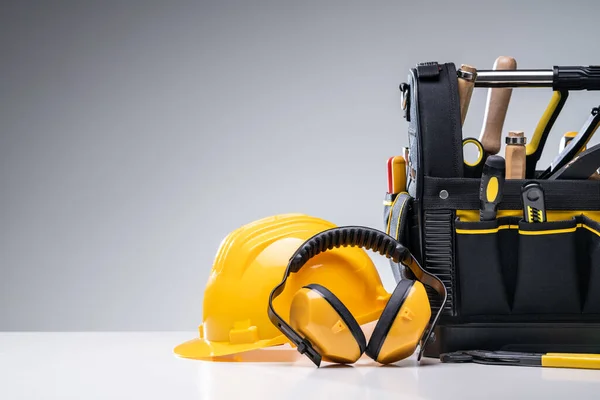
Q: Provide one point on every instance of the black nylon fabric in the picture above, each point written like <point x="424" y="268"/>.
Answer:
<point x="463" y="194"/>
<point x="510" y="270"/>
<point x="480" y="271"/>
<point x="439" y="122"/>
<point x="547" y="279"/>
<point x="590" y="271"/>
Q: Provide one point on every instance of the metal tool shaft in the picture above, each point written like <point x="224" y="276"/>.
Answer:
<point x="514" y="79"/>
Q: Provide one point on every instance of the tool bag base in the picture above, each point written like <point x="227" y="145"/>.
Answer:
<point x="512" y="285"/>
<point x="518" y="336"/>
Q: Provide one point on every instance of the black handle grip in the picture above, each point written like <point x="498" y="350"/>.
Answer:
<point x="367" y="238"/>
<point x="576" y="78"/>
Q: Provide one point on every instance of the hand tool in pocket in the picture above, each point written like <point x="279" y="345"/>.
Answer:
<point x="583" y="166"/>
<point x="556" y="360"/>
<point x="396" y="170"/>
<point x="536" y="145"/>
<point x="390" y="175"/>
<point x="495" y="110"/>
<point x="515" y="155"/>
<point x="466" y="82"/>
<point x="492" y="187"/>
<point x="474" y="169"/>
<point x="575" y="145"/>
<point x="323" y="328"/>
<point x="534" y="207"/>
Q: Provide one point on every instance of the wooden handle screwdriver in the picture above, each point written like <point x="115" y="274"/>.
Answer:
<point x="466" y="81"/>
<point x="495" y="110"/>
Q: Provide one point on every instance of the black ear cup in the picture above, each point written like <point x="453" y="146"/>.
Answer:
<point x="344" y="313"/>
<point x="388" y="315"/>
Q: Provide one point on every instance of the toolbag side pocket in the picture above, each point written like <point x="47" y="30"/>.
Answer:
<point x="479" y="263"/>
<point x="547" y="277"/>
<point x="590" y="279"/>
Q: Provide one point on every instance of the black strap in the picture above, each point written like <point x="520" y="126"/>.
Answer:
<point x="440" y="127"/>
<point x="463" y="194"/>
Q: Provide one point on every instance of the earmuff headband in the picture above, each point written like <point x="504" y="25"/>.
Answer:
<point x="353" y="236"/>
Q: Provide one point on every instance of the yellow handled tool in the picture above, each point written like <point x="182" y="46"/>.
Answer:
<point x="542" y="130"/>
<point x="491" y="188"/>
<point x="555" y="360"/>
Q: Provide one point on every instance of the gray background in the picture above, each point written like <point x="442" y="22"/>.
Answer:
<point x="135" y="135"/>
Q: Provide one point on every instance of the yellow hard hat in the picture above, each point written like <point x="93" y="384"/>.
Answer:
<point x="251" y="261"/>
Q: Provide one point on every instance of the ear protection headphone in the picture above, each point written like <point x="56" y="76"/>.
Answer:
<point x="321" y="326"/>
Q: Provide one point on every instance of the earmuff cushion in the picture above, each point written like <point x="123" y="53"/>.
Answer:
<point x="344" y="313"/>
<point x="388" y="315"/>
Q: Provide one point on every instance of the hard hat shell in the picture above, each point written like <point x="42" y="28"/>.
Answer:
<point x="251" y="261"/>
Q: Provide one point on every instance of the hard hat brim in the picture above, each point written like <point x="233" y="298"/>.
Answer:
<point x="201" y="349"/>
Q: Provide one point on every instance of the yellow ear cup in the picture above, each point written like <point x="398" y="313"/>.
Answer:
<point x="321" y="318"/>
<point x="401" y="324"/>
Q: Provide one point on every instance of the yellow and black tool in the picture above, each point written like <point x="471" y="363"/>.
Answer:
<point x="491" y="189"/>
<point x="575" y="145"/>
<point x="555" y="360"/>
<point x="534" y="207"/>
<point x="474" y="169"/>
<point x="542" y="130"/>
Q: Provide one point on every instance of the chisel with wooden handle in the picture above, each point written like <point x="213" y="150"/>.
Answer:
<point x="495" y="109"/>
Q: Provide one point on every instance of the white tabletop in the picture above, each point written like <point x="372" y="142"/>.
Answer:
<point x="142" y="366"/>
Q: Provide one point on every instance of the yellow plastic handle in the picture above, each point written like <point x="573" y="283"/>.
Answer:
<point x="571" y="360"/>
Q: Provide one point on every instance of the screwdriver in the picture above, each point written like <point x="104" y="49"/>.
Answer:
<point x="490" y="191"/>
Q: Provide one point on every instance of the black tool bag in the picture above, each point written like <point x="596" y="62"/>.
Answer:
<point x="511" y="285"/>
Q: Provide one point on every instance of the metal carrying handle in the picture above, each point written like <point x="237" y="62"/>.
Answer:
<point x="558" y="78"/>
